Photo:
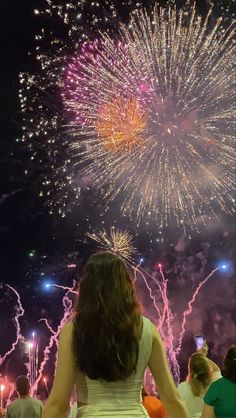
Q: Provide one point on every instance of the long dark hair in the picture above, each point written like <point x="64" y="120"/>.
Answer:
<point x="107" y="323"/>
<point x="229" y="369"/>
<point x="199" y="373"/>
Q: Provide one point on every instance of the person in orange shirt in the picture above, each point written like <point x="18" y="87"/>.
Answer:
<point x="153" y="406"/>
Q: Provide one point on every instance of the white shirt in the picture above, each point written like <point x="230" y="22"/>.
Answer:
<point x="194" y="404"/>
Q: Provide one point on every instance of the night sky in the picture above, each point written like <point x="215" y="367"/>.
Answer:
<point x="33" y="242"/>
<point x="25" y="223"/>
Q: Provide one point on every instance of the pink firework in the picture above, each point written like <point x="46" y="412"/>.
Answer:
<point x="19" y="337"/>
<point x="169" y="155"/>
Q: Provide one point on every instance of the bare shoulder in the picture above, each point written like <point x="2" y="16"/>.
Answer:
<point x="155" y="333"/>
<point x="67" y="331"/>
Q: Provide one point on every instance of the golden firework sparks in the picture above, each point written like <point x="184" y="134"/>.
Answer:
<point x="121" y="124"/>
<point x="116" y="241"/>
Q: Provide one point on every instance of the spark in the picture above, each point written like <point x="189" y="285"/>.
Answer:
<point x="2" y="388"/>
<point x="71" y="266"/>
<point x="116" y="241"/>
<point x="46" y="385"/>
<point x="121" y="123"/>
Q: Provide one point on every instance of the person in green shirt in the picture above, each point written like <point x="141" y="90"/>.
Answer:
<point x="220" y="399"/>
<point x="25" y="406"/>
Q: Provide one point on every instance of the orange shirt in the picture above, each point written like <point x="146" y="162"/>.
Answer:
<point x="154" y="407"/>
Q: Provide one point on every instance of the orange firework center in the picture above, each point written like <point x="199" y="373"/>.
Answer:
<point x="121" y="124"/>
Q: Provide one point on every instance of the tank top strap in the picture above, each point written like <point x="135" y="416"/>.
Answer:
<point x="146" y="340"/>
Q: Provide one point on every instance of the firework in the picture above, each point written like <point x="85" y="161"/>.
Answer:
<point x="164" y="312"/>
<point x="67" y="305"/>
<point x="117" y="242"/>
<point x="19" y="313"/>
<point x="158" y="306"/>
<point x="182" y="78"/>
<point x="147" y="115"/>
<point x="121" y="123"/>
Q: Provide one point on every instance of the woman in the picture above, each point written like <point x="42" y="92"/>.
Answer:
<point x="220" y="399"/>
<point x="106" y="349"/>
<point x="201" y="372"/>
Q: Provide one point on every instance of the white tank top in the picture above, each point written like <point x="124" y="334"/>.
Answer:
<point x="121" y="398"/>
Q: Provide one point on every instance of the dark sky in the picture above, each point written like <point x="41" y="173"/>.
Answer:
<point x="24" y="220"/>
<point x="25" y="223"/>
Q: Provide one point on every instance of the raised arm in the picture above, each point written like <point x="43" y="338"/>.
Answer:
<point x="204" y="352"/>
<point x="208" y="411"/>
<point x="59" y="399"/>
<point x="163" y="379"/>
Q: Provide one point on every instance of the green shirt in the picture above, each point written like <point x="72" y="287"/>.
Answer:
<point x="222" y="396"/>
<point x="25" y="408"/>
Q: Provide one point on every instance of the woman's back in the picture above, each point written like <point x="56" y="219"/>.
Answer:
<point x="193" y="403"/>
<point x="120" y="398"/>
<point x="106" y="349"/>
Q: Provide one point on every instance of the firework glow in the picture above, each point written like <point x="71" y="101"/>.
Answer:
<point x="148" y="116"/>
<point x="117" y="242"/>
<point x="121" y="123"/>
<point x="180" y="147"/>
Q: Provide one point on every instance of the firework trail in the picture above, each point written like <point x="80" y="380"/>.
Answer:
<point x="11" y="392"/>
<point x="45" y="320"/>
<point x="152" y="297"/>
<point x="19" y="336"/>
<point x="66" y="288"/>
<point x="189" y="310"/>
<point x="169" y="320"/>
<point x="161" y="302"/>
<point x="67" y="304"/>
<point x="165" y="314"/>
<point x="32" y="364"/>
<point x="148" y="115"/>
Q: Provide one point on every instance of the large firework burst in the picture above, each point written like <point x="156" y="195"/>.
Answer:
<point x="180" y="73"/>
<point x="148" y="114"/>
